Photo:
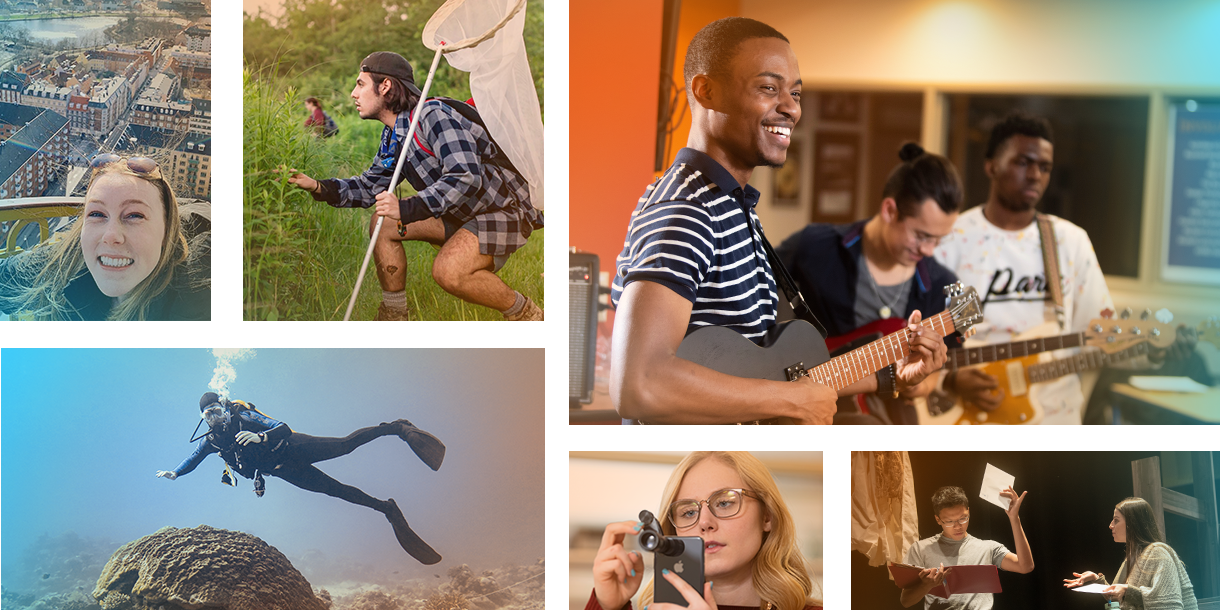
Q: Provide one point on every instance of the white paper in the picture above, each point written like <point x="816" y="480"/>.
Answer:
<point x="1167" y="384"/>
<point x="995" y="481"/>
<point x="1093" y="588"/>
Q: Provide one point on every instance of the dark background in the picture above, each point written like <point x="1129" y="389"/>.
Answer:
<point x="1066" y="518"/>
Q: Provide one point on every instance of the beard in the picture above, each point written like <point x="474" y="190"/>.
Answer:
<point x="1015" y="204"/>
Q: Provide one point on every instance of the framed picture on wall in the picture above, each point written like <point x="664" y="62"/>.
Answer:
<point x="1191" y="242"/>
<point x="836" y="176"/>
<point x="787" y="179"/>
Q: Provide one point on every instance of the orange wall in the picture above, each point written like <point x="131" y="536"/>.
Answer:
<point x="695" y="15"/>
<point x="614" y="61"/>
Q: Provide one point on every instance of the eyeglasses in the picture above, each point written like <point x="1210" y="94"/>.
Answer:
<point x="139" y="165"/>
<point x="923" y="238"/>
<point x="962" y="521"/>
<point x="723" y="504"/>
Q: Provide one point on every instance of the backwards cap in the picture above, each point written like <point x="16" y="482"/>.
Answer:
<point x="391" y="64"/>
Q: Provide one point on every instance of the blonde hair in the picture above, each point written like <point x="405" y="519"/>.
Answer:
<point x="780" y="572"/>
<point x="48" y="268"/>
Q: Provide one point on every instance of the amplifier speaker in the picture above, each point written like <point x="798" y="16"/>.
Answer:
<point x="582" y="326"/>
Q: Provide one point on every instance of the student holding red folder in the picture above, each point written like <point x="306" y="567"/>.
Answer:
<point x="954" y="547"/>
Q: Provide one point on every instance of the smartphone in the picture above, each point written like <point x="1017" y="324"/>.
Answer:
<point x="688" y="566"/>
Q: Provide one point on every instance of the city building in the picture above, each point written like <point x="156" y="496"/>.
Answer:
<point x="11" y="85"/>
<point x="201" y="115"/>
<point x="185" y="159"/>
<point x="13" y="117"/>
<point x="32" y="156"/>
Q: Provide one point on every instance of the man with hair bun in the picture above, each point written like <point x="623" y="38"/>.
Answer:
<point x="855" y="274"/>
<point x="996" y="248"/>
<point x="954" y="547"/>
<point x="694" y="255"/>
<point x="470" y="201"/>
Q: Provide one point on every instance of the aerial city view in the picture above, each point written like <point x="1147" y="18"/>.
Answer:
<point x="79" y="77"/>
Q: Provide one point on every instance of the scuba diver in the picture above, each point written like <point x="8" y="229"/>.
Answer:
<point x="255" y="445"/>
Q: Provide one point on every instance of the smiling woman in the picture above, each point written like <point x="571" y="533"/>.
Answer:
<point x="126" y="257"/>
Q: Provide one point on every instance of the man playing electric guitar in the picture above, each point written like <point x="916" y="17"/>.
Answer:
<point x="882" y="269"/>
<point x="694" y="253"/>
<point x="997" y="248"/>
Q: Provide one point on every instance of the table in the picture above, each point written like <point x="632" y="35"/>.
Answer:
<point x="1201" y="408"/>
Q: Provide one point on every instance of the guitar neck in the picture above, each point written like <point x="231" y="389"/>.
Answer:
<point x="846" y="369"/>
<point x="1046" y="371"/>
<point x="1016" y="349"/>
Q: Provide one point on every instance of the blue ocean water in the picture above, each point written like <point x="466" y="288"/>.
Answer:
<point x="83" y="431"/>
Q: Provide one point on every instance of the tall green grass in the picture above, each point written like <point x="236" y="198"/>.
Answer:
<point x="302" y="256"/>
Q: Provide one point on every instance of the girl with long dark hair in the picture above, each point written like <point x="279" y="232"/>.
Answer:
<point x="1151" y="576"/>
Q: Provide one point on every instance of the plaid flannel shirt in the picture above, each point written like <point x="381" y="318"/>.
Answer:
<point x="454" y="180"/>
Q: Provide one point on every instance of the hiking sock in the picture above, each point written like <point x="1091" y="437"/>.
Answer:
<point x="518" y="305"/>
<point x="397" y="300"/>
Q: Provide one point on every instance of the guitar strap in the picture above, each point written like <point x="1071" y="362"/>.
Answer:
<point x="1050" y="262"/>
<point x="796" y="305"/>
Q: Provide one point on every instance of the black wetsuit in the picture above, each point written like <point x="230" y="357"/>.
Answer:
<point x="285" y="454"/>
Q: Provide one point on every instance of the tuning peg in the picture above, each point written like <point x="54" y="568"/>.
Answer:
<point x="1126" y="314"/>
<point x="1135" y="330"/>
<point x="1097" y="328"/>
<point x="1116" y="329"/>
<point x="1146" y="314"/>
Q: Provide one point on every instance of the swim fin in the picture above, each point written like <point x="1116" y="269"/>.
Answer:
<point x="408" y="539"/>
<point x="429" y="448"/>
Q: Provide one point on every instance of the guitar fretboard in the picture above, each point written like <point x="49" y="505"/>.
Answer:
<point x="1015" y="349"/>
<point x="846" y="369"/>
<point x="1046" y="371"/>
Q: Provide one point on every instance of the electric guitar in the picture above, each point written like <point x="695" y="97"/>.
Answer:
<point x="1016" y="366"/>
<point x="795" y="349"/>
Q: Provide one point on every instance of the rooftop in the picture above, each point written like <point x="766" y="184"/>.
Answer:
<point x="24" y="144"/>
<point x="17" y="114"/>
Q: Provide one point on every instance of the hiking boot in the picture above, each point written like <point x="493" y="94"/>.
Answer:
<point x="387" y="313"/>
<point x="429" y="448"/>
<point x="530" y="312"/>
<point x="407" y="538"/>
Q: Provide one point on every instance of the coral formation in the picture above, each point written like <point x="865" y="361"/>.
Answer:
<point x="194" y="568"/>
<point x="447" y="601"/>
<point x="374" y="600"/>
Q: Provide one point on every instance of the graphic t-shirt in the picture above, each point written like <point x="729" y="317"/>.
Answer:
<point x="1006" y="269"/>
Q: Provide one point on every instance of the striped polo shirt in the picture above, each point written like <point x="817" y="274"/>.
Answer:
<point x="691" y="232"/>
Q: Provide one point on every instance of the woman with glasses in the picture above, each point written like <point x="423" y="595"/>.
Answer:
<point x="126" y="257"/>
<point x="751" y="558"/>
<point x="1151" y="575"/>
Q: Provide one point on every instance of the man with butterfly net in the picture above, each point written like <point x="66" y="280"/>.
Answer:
<point x="470" y="199"/>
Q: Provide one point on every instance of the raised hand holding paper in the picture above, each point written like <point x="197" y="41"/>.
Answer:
<point x="995" y="481"/>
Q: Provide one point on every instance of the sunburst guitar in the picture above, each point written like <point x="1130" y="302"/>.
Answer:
<point x="1018" y="365"/>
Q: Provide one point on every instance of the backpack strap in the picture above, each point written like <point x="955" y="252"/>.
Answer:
<point x="470" y="113"/>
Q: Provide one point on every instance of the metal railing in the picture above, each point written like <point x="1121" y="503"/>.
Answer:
<point x="47" y="213"/>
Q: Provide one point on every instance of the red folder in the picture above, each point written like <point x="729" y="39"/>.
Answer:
<point x="958" y="579"/>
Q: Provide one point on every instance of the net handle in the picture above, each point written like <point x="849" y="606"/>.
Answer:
<point x="402" y="155"/>
<point x="445" y="10"/>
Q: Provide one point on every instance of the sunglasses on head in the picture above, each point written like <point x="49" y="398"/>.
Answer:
<point x="139" y="165"/>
